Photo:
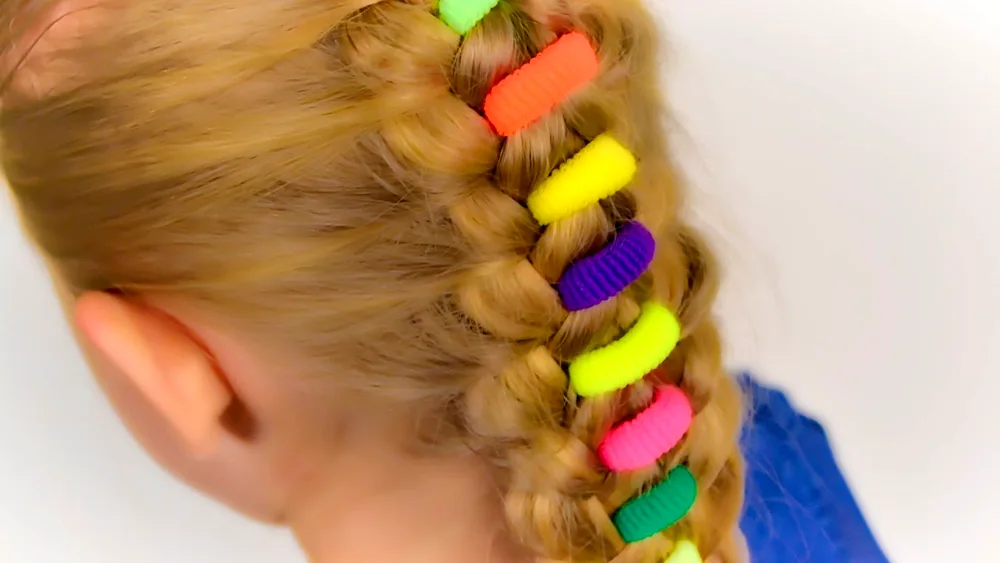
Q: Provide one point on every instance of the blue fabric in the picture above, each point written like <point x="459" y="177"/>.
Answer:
<point x="799" y="508"/>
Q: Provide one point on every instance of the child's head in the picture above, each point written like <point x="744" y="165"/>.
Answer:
<point x="291" y="243"/>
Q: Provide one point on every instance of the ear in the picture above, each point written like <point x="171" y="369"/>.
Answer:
<point x="162" y="360"/>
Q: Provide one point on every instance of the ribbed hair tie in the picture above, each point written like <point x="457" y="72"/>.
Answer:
<point x="539" y="86"/>
<point x="599" y="170"/>
<point x="660" y="508"/>
<point x="463" y="15"/>
<point x="640" y="442"/>
<point x="639" y="351"/>
<point x="595" y="279"/>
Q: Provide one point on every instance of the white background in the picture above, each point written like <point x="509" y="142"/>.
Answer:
<point x="847" y="157"/>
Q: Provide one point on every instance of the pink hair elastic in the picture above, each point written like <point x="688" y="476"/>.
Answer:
<point x="540" y="85"/>
<point x="641" y="441"/>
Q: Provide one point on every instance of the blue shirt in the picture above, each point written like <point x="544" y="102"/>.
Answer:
<point x="799" y="507"/>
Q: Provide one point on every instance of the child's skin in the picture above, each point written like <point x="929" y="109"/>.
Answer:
<point x="222" y="414"/>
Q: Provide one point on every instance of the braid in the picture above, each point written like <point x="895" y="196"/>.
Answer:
<point x="559" y="497"/>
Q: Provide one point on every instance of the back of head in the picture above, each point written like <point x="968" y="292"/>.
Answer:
<point x="318" y="171"/>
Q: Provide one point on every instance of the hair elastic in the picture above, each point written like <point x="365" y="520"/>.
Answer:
<point x="639" y="351"/>
<point x="463" y="15"/>
<point x="540" y="85"/>
<point x="660" y="508"/>
<point x="598" y="171"/>
<point x="595" y="279"/>
<point x="685" y="551"/>
<point x="653" y="432"/>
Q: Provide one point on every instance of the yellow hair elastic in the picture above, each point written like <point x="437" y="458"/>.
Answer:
<point x="641" y="350"/>
<point x="599" y="170"/>
<point x="684" y="552"/>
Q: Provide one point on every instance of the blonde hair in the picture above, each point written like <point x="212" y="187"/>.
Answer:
<point x="315" y="169"/>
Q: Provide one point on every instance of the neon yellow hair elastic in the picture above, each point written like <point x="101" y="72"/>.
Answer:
<point x="599" y="170"/>
<point x="641" y="350"/>
<point x="684" y="552"/>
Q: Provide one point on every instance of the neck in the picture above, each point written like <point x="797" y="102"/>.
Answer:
<point x="380" y="506"/>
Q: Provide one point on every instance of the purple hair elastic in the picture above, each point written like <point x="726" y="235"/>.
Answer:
<point x="595" y="279"/>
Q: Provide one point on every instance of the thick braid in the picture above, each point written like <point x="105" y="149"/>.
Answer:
<point x="562" y="499"/>
<point x="560" y="496"/>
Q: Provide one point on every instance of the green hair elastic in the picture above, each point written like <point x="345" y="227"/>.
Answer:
<point x="641" y="350"/>
<point x="463" y="15"/>
<point x="662" y="507"/>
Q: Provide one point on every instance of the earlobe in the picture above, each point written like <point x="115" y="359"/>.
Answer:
<point x="161" y="359"/>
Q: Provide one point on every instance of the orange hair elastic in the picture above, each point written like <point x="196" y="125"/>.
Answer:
<point x="540" y="85"/>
